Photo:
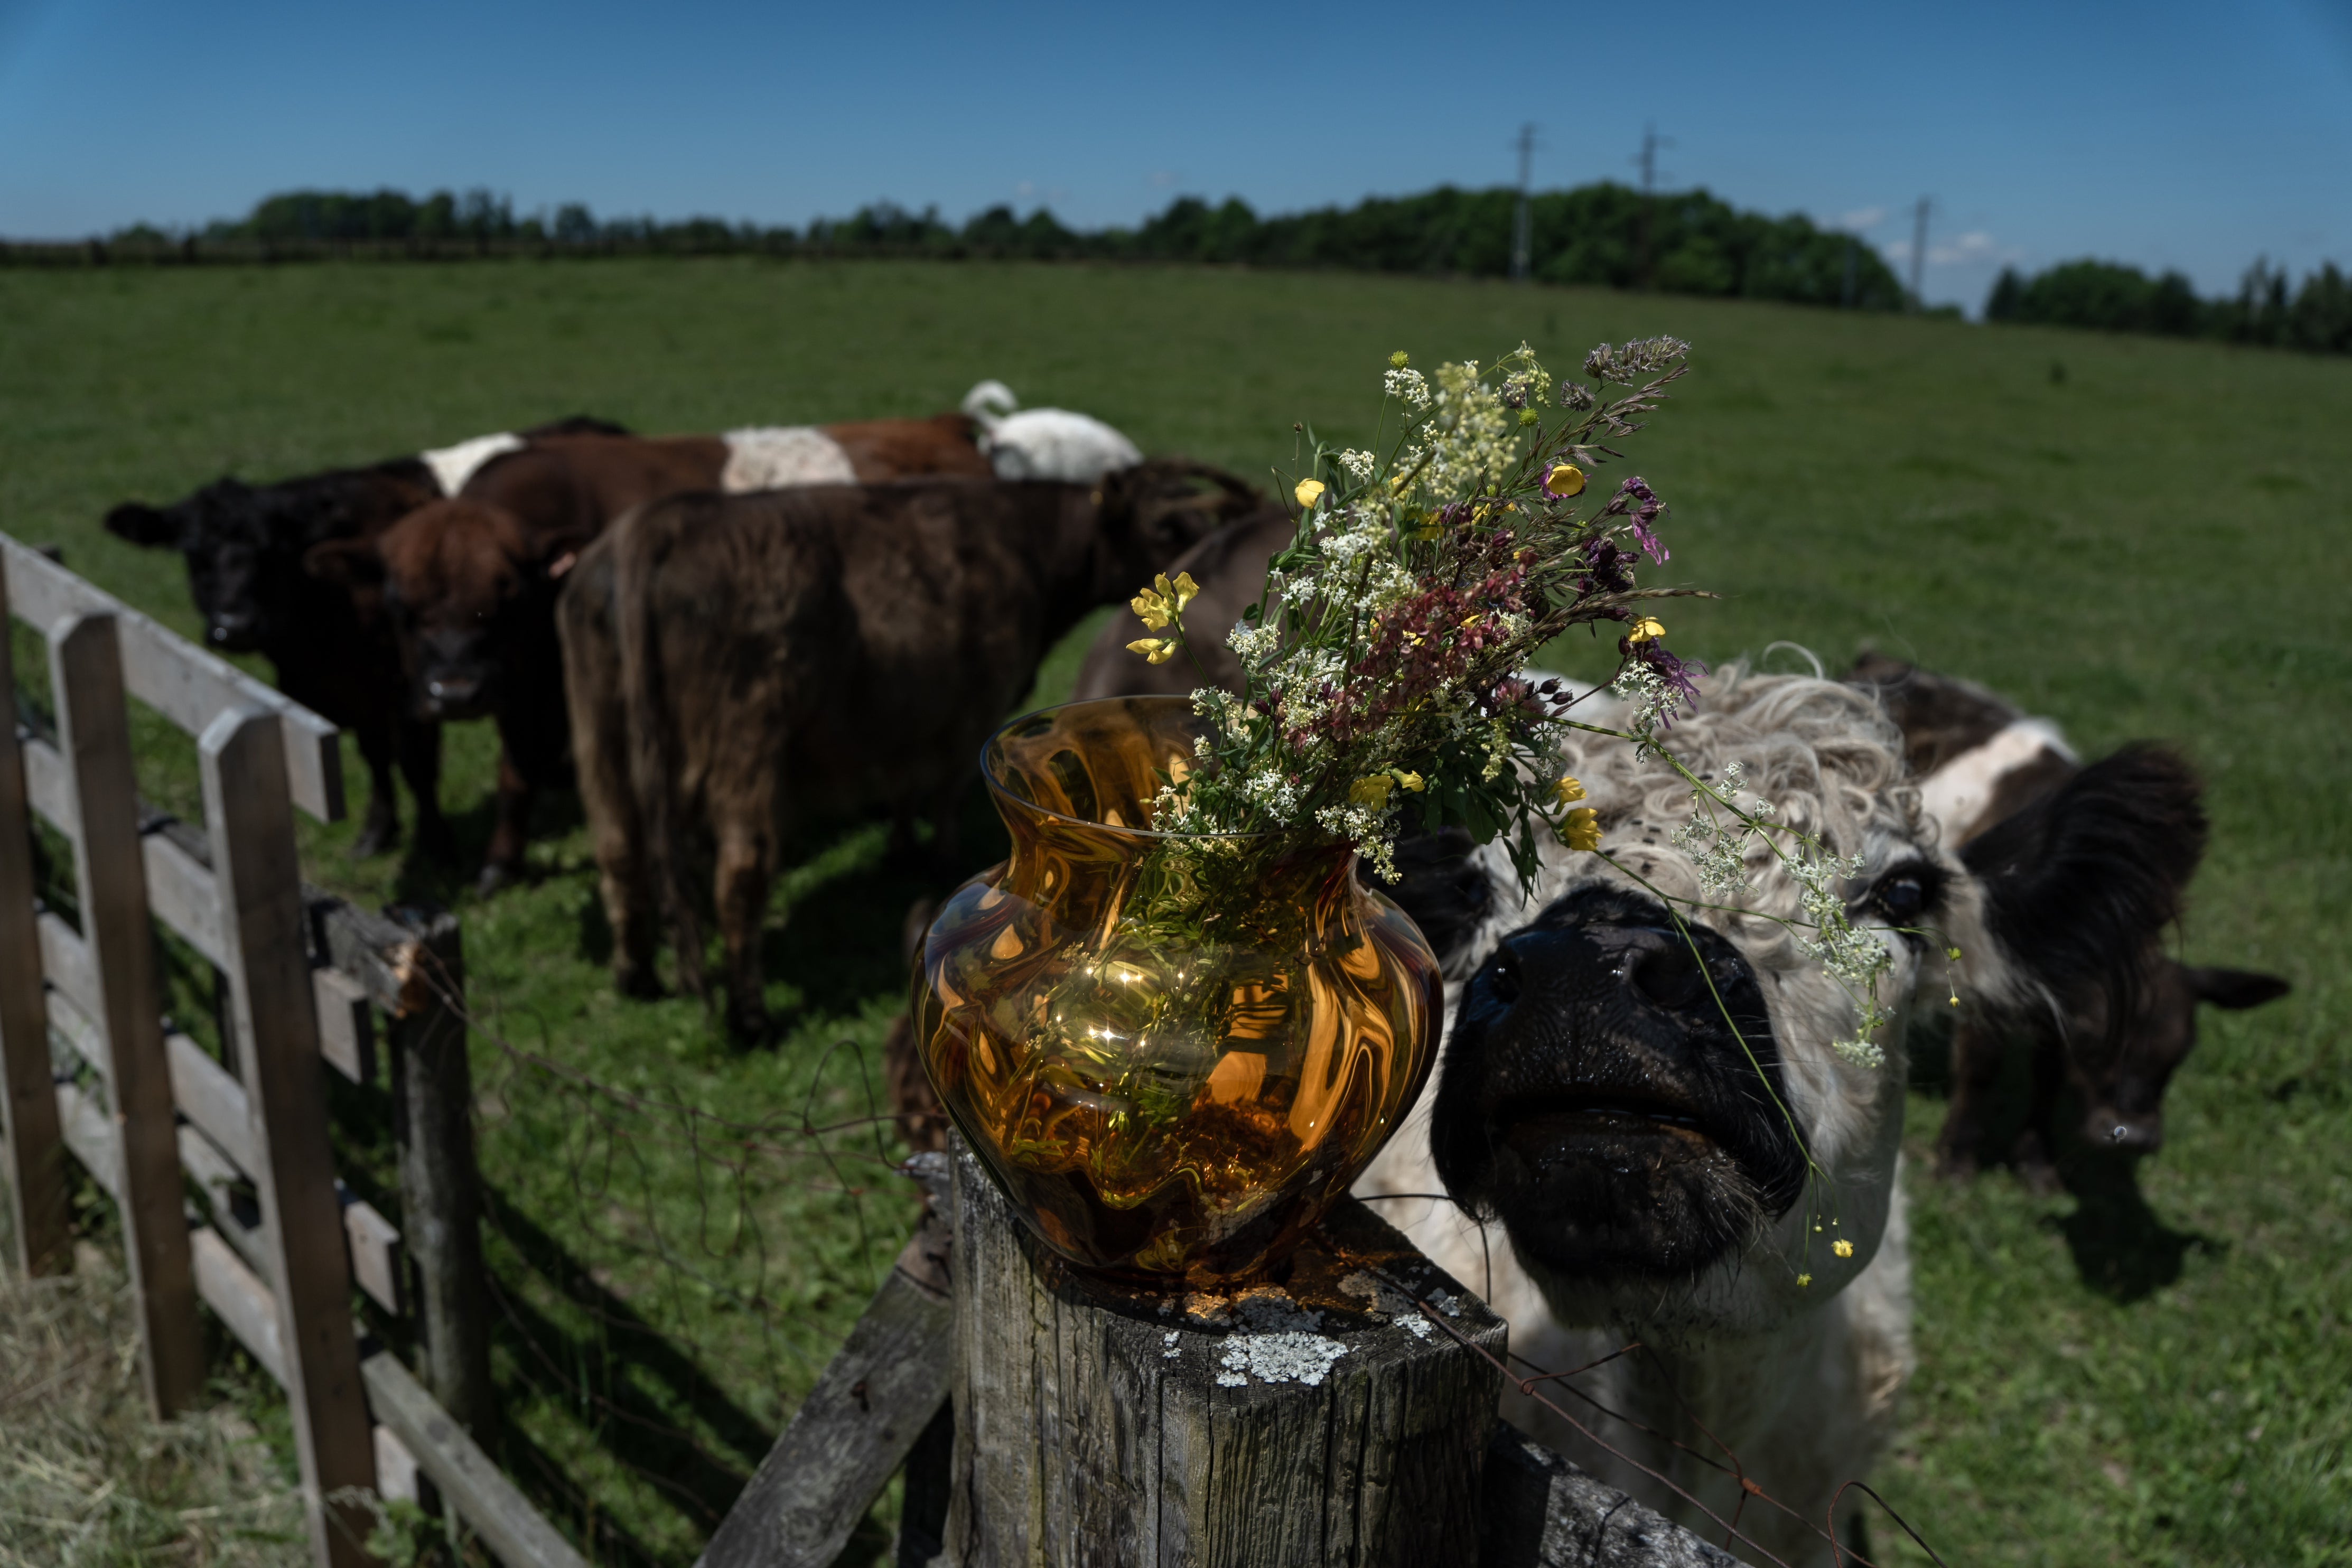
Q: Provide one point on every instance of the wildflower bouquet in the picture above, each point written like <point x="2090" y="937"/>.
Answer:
<point x="1383" y="664"/>
<point x="1381" y="667"/>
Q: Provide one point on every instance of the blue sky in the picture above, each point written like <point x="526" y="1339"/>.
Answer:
<point x="2164" y="135"/>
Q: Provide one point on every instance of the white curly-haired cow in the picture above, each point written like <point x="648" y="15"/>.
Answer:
<point x="1731" y="1200"/>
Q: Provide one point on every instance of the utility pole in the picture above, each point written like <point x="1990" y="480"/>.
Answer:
<point x="1651" y="143"/>
<point x="1845" y="295"/>
<point x="1522" y="222"/>
<point x="1919" y="254"/>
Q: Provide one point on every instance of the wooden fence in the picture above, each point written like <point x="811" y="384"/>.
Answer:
<point x="307" y="978"/>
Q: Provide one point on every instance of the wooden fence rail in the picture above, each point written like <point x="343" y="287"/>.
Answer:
<point x="306" y="976"/>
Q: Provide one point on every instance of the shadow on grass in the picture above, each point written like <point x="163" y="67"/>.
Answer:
<point x="601" y="1368"/>
<point x="2122" y="1248"/>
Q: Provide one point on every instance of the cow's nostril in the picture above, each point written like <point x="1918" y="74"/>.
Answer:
<point x="1667" y="976"/>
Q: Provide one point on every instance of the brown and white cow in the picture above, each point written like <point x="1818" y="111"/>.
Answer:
<point x="471" y="582"/>
<point x="2009" y="795"/>
<point x="736" y="664"/>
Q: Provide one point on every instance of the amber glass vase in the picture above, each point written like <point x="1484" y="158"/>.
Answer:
<point x="1173" y="1053"/>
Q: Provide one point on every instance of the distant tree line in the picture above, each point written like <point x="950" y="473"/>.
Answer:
<point x="2111" y="297"/>
<point x="1687" y="242"/>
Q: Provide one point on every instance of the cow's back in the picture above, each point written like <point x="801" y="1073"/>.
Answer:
<point x="858" y="641"/>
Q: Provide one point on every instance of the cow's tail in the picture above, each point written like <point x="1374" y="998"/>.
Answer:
<point x="641" y="542"/>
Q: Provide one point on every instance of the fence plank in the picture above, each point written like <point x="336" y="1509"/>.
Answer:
<point x="181" y="889"/>
<point x="440" y="1189"/>
<point x="856" y="1425"/>
<point x="213" y="1100"/>
<point x="346" y="1024"/>
<point x="66" y="960"/>
<point x="94" y="738"/>
<point x="179" y="680"/>
<point x="454" y="1462"/>
<point x="258" y="881"/>
<point x="33" y="1167"/>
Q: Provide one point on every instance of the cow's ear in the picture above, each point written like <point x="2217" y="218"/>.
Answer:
<point x="2078" y="885"/>
<point x="2234" y="990"/>
<point x="352" y="562"/>
<point x="142" y="524"/>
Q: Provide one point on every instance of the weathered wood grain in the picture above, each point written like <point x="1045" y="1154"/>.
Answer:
<point x="1096" y="1426"/>
<point x="878" y="1395"/>
<point x="257" y="882"/>
<point x="180" y="681"/>
<point x="440" y="1188"/>
<point x="454" y="1463"/>
<point x="1540" y="1511"/>
<point x="94" y="738"/>
<point x="33" y="1167"/>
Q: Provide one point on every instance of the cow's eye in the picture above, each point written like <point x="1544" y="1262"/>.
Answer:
<point x="1906" y="894"/>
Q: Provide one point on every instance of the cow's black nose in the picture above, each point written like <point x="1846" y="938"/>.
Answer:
<point x="231" y="626"/>
<point x="453" y="688"/>
<point x="1668" y="976"/>
<point x="2140" y="1133"/>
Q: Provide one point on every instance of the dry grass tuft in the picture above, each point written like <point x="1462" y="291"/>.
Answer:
<point x="85" y="1479"/>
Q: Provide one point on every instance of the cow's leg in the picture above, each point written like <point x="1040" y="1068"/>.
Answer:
<point x="502" y="862"/>
<point x="420" y="763"/>
<point x="2034" y="1156"/>
<point x="739" y="884"/>
<point x="380" y="829"/>
<point x="1976" y="1073"/>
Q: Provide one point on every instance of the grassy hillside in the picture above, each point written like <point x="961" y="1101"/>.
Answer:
<point x="2137" y="537"/>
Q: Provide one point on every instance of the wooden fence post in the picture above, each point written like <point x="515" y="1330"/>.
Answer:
<point x="110" y="874"/>
<point x="250" y="821"/>
<point x="440" y="1185"/>
<point x="1323" y="1421"/>
<point x="35" y="1157"/>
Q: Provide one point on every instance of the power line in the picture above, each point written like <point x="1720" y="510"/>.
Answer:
<point x="1648" y="160"/>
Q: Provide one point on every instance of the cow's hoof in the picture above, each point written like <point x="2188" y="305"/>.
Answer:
<point x="374" y="839"/>
<point x="1959" y="1170"/>
<point x="638" y="985"/>
<point x="750" y="1031"/>
<point x="436" y="843"/>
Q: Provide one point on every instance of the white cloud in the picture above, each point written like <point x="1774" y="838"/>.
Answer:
<point x="1862" y="218"/>
<point x="1975" y="248"/>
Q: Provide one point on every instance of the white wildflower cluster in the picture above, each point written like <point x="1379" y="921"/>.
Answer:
<point x="1356" y="466"/>
<point x="1647" y="698"/>
<point x="1275" y="793"/>
<point x="1253" y="644"/>
<point x="1368" y="828"/>
<point x="1853" y="956"/>
<point x="1408" y="387"/>
<point x="1718" y="856"/>
<point x="1470" y="435"/>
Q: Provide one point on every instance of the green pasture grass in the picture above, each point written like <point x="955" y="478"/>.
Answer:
<point x="2138" y="538"/>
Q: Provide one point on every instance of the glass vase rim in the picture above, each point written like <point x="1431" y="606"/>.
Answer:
<point x="996" y="788"/>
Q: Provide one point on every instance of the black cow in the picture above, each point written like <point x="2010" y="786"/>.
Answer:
<point x="332" y="644"/>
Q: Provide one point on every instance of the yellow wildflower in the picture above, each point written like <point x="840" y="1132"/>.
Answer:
<point x="1411" y="781"/>
<point x="1582" y="829"/>
<point x="1565" y="479"/>
<point x="1372" y="790"/>
<point x="1644" y="629"/>
<point x="1155" y="650"/>
<point x="1843" y="1247"/>
<point x="1803" y="1280"/>
<point x="1400" y="359"/>
<point x="1308" y="492"/>
<point x="1164" y="601"/>
<point x="1568" y="791"/>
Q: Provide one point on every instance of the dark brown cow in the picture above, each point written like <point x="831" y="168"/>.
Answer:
<point x="472" y="582"/>
<point x="2023" y="813"/>
<point x="736" y="664"/>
